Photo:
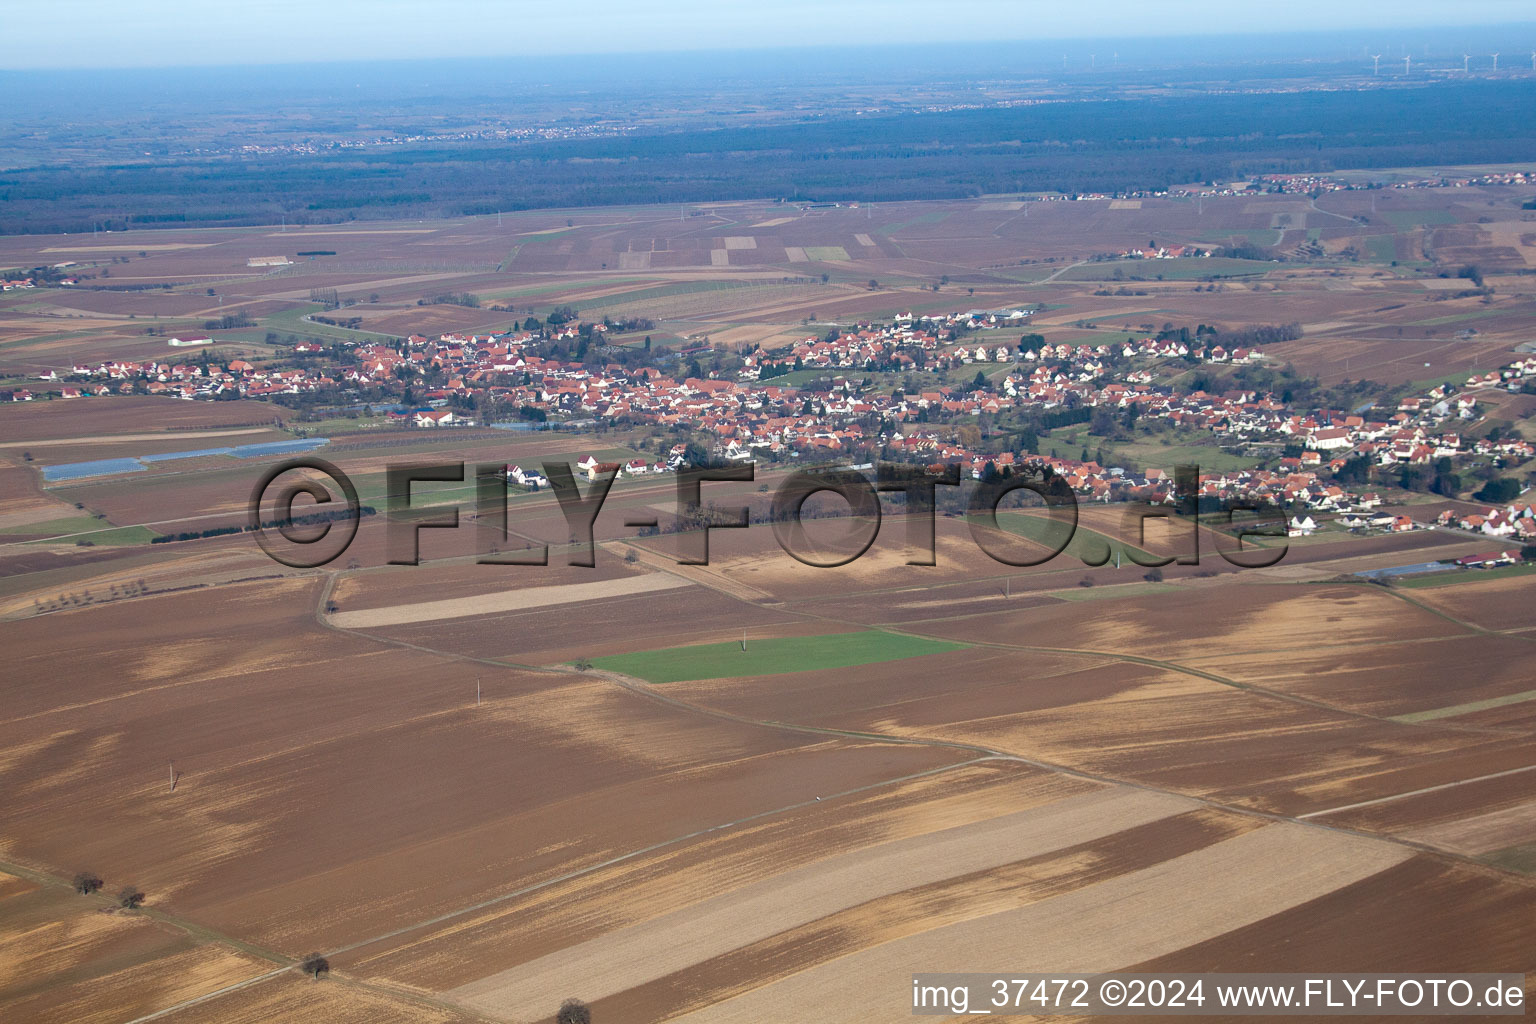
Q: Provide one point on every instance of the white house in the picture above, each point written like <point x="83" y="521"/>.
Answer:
<point x="1330" y="439"/>
<point x="527" y="477"/>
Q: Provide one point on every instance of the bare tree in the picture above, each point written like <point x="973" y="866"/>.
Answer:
<point x="130" y="897"/>
<point x="87" y="882"/>
<point x="316" y="964"/>
<point x="574" y="1011"/>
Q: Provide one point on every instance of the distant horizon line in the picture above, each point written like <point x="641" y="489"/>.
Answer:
<point x="1396" y="37"/>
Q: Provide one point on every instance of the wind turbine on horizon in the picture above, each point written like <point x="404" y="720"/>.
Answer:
<point x="1466" y="61"/>
<point x="1407" y="63"/>
<point x="1495" y="62"/>
<point x="1376" y="64"/>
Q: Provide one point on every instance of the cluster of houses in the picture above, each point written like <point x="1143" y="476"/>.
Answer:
<point x="751" y="416"/>
<point x="933" y="345"/>
<point x="185" y="380"/>
<point x="1415" y="434"/>
<point x="1489" y="559"/>
<point x="1517" y="522"/>
<point x="1166" y="252"/>
<point x="1311" y="184"/>
<point x="908" y="343"/>
<point x="590" y="467"/>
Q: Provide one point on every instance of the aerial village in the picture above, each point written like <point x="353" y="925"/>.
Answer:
<point x="836" y="414"/>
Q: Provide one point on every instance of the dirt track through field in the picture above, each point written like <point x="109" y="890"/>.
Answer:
<point x="1112" y="925"/>
<point x="504" y="601"/>
<point x="163" y="435"/>
<point x="644" y="952"/>
<point x="1481" y="833"/>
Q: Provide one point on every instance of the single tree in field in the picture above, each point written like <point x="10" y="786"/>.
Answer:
<point x="573" y="1011"/>
<point x="1153" y="575"/>
<point x="130" y="897"/>
<point x="315" y="964"/>
<point x="87" y="882"/>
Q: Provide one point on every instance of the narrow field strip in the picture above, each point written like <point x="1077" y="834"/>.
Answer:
<point x="644" y="952"/>
<point x="503" y="601"/>
<point x="772" y="656"/>
<point x="1478" y="834"/>
<point x="1468" y="708"/>
<point x="1416" y="792"/>
<point x="1112" y="925"/>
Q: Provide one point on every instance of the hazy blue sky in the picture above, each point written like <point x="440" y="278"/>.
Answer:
<point x="137" y="33"/>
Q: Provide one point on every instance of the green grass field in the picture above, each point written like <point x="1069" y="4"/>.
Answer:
<point x="57" y="527"/>
<point x="1169" y="270"/>
<point x="1458" y="378"/>
<point x="663" y="291"/>
<point x="1515" y="858"/>
<point x="291" y="321"/>
<point x="771" y="656"/>
<point x="497" y="294"/>
<point x="931" y="217"/>
<point x="1454" y="576"/>
<point x="1382" y="248"/>
<point x="1407" y="220"/>
<point x="1151" y="453"/>
<point x="1258" y="236"/>
<point x="1456" y="318"/>
<point x="1086" y="545"/>
<point x="109" y="536"/>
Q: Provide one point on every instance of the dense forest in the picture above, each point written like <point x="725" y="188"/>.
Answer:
<point x="1116" y="145"/>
